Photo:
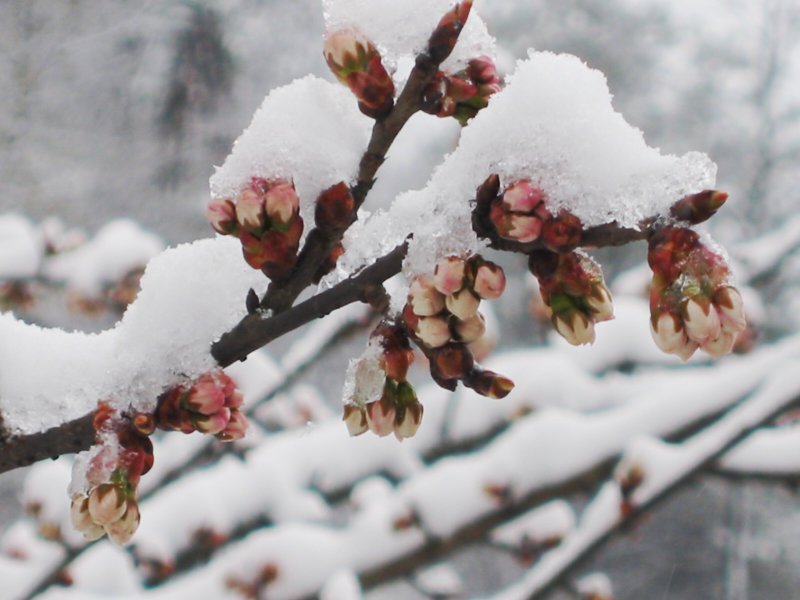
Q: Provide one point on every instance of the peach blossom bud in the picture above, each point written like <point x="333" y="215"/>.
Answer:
<point x="522" y="197"/>
<point x="121" y="531"/>
<point x="213" y="424"/>
<point x="699" y="207"/>
<point x="490" y="281"/>
<point x="234" y="400"/>
<point x="106" y="504"/>
<point x="489" y="384"/>
<point x="355" y="418"/>
<point x="409" y="424"/>
<point x="250" y="210"/>
<point x="600" y="303"/>
<point x="236" y="429"/>
<point x="433" y="331"/>
<point x="702" y="322"/>
<point x="222" y="216"/>
<point x="205" y="397"/>
<point x="720" y="346"/>
<point x="380" y="416"/>
<point x="576" y="328"/>
<point x="79" y="514"/>
<point x="728" y="302"/>
<point x="523" y="228"/>
<point x="463" y="304"/>
<point x="444" y="37"/>
<point x="563" y="232"/>
<point x="335" y="208"/>
<point x="471" y="329"/>
<point x="424" y="298"/>
<point x="453" y="361"/>
<point x="448" y="276"/>
<point x="668" y="333"/>
<point x="346" y="50"/>
<point x="686" y="351"/>
<point x="281" y="203"/>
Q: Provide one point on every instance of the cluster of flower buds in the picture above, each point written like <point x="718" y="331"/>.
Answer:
<point x="356" y="62"/>
<point x="210" y="405"/>
<point x="397" y="410"/>
<point x="124" y="453"/>
<point x="442" y="317"/>
<point x="573" y="291"/>
<point x="692" y="302"/>
<point x="463" y="94"/>
<point x="519" y="214"/>
<point x="266" y="219"/>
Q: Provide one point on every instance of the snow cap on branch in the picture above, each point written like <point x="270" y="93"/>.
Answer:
<point x="309" y="132"/>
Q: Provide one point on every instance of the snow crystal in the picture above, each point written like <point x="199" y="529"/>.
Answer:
<point x="401" y="29"/>
<point x="190" y="295"/>
<point x="309" y="131"/>
<point x="21" y="247"/>
<point x="118" y="248"/>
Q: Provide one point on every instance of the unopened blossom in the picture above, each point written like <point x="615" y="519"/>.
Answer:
<point x="356" y="62"/>
<point x="121" y="530"/>
<point x="448" y="276"/>
<point x="355" y="418"/>
<point x="335" y="209"/>
<point x="471" y="329"/>
<point x="236" y="429"/>
<point x="433" y="331"/>
<point x="575" y="327"/>
<point x="381" y="416"/>
<point x="250" y="210"/>
<point x="489" y="383"/>
<point x="281" y="203"/>
<point x="490" y="281"/>
<point x="697" y="208"/>
<point x="424" y="298"/>
<point x="692" y="303"/>
<point x="463" y="304"/>
<point x="444" y="37"/>
<point x="221" y="215"/>
<point x="82" y="520"/>
<point x="518" y="213"/>
<point x="106" y="504"/>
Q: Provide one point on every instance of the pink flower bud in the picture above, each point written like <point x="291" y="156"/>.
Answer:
<point x="424" y="298"/>
<point x="463" y="305"/>
<point x="448" y="276"/>
<point x="490" y="281"/>
<point x="222" y="216"/>
<point x="670" y="336"/>
<point x="234" y="400"/>
<point x="213" y="424"/>
<point x="106" y="504"/>
<point x="281" y="203"/>
<point x="380" y="416"/>
<point x="79" y="514"/>
<point x="523" y="229"/>
<point x="600" y="303"/>
<point x="471" y="329"/>
<point x="250" y="210"/>
<point x="728" y="301"/>
<point x="433" y="331"/>
<point x="522" y="197"/>
<point x="483" y="71"/>
<point x="720" y="346"/>
<point x="355" y="418"/>
<point x="347" y="50"/>
<point x="236" y="429"/>
<point x="575" y="327"/>
<point x="205" y="397"/>
<point x="702" y="322"/>
<point x="121" y="531"/>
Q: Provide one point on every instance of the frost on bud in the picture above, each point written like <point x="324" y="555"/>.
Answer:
<point x="463" y="304"/>
<point x="423" y="297"/>
<point x="221" y="215"/>
<point x="696" y="208"/>
<point x="448" y="275"/>
<point x="335" y="209"/>
<point x="489" y="384"/>
<point x="490" y="281"/>
<point x="444" y="37"/>
<point x="356" y="62"/>
<point x="106" y="504"/>
<point x="355" y="418"/>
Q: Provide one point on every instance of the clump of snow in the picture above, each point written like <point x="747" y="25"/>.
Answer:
<point x="554" y="124"/>
<point x="21" y="247"/>
<point x="342" y="585"/>
<point x="549" y="522"/>
<point x="190" y="295"/>
<point x="309" y="131"/>
<point x="595" y="585"/>
<point x="400" y="29"/>
<point x="118" y="248"/>
<point x="439" y="581"/>
<point x="364" y="379"/>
